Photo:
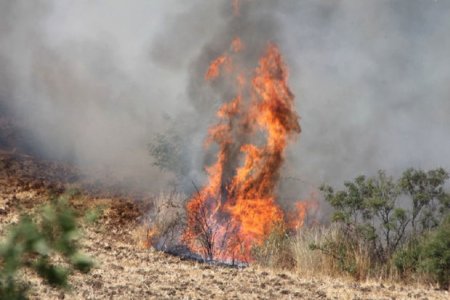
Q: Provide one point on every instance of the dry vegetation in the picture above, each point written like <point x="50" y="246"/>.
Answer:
<point x="126" y="270"/>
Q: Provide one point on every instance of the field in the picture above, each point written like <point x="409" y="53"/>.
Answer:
<point x="126" y="270"/>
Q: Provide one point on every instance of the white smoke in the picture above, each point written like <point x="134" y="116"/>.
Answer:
<point x="93" y="81"/>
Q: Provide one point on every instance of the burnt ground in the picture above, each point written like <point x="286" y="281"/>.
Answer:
<point x="126" y="270"/>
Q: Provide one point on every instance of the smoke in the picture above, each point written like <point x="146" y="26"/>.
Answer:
<point x="78" y="77"/>
<point x="371" y="83"/>
<point x="94" y="81"/>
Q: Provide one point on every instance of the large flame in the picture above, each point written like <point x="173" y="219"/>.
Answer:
<point x="237" y="208"/>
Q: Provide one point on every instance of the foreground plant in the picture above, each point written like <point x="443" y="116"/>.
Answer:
<point x="35" y="243"/>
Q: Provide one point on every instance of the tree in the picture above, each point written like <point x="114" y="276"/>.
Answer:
<point x="367" y="208"/>
<point x="386" y="216"/>
<point x="429" y="200"/>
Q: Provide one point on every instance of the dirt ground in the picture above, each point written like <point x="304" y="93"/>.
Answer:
<point x="126" y="270"/>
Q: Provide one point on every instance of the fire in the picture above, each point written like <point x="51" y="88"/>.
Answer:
<point x="150" y="234"/>
<point x="237" y="208"/>
<point x="214" y="68"/>
<point x="303" y="209"/>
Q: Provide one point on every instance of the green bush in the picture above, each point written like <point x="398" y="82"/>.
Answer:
<point x="407" y="259"/>
<point x="428" y="254"/>
<point x="368" y="211"/>
<point x="388" y="220"/>
<point x="436" y="254"/>
<point x="35" y="242"/>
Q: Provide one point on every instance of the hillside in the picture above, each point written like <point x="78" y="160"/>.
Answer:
<point x="126" y="270"/>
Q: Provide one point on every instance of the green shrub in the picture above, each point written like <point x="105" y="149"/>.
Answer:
<point x="387" y="220"/>
<point x="429" y="201"/>
<point x="407" y="259"/>
<point x="34" y="243"/>
<point x="436" y="254"/>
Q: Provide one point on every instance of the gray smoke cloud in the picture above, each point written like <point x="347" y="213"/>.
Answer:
<point x="94" y="81"/>
<point x="78" y="77"/>
<point x="372" y="85"/>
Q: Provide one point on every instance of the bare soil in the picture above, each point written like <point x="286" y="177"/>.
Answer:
<point x="126" y="270"/>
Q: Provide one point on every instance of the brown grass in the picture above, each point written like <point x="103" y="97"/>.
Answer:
<point x="162" y="226"/>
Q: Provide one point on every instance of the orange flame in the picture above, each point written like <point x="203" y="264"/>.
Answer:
<point x="304" y="210"/>
<point x="150" y="234"/>
<point x="214" y="68"/>
<point x="237" y="208"/>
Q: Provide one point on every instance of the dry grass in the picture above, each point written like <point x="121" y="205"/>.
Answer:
<point x="162" y="226"/>
<point x="276" y="251"/>
<point x="320" y="264"/>
<point x="333" y="254"/>
<point x="313" y="263"/>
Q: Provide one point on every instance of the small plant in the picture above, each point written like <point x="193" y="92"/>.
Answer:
<point x="276" y="250"/>
<point x="436" y="254"/>
<point x="35" y="243"/>
<point x="314" y="262"/>
<point x="167" y="220"/>
<point x="428" y="255"/>
<point x="204" y="232"/>
<point x="348" y="250"/>
<point x="407" y="259"/>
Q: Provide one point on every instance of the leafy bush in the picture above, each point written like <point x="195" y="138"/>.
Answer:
<point x="386" y="220"/>
<point x="428" y="255"/>
<point x="407" y="259"/>
<point x="430" y="203"/>
<point x="35" y="243"/>
<point x="368" y="212"/>
<point x="436" y="254"/>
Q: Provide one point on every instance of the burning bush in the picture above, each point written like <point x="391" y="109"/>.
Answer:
<point x="237" y="209"/>
<point x="163" y="225"/>
<point x="238" y="206"/>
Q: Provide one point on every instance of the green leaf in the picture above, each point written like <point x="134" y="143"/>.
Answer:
<point x="82" y="262"/>
<point x="41" y="247"/>
<point x="54" y="275"/>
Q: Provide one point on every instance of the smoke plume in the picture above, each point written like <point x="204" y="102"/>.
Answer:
<point x="93" y="82"/>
